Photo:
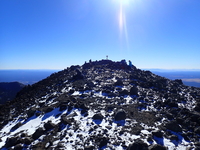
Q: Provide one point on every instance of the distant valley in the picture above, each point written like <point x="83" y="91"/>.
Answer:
<point x="24" y="76"/>
<point x="12" y="81"/>
<point x="189" y="77"/>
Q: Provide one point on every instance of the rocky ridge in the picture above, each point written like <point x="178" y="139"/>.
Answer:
<point x="102" y="105"/>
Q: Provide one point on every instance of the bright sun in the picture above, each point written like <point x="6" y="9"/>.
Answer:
<point x="124" y="2"/>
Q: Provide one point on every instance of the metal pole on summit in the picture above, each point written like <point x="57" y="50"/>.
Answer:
<point x="107" y="57"/>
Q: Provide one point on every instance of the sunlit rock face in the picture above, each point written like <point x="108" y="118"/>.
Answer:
<point x="102" y="105"/>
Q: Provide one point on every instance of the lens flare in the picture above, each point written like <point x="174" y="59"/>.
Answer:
<point x="121" y="19"/>
<point x="122" y="25"/>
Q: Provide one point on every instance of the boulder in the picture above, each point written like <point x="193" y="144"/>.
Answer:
<point x="174" y="126"/>
<point x="118" y="83"/>
<point x="120" y="115"/>
<point x="62" y="107"/>
<point x="78" y="75"/>
<point x="12" y="141"/>
<point x="38" y="133"/>
<point x="18" y="147"/>
<point x="133" y="91"/>
<point x="89" y="148"/>
<point x="123" y="92"/>
<point x="49" y="125"/>
<point x="83" y="106"/>
<point x="103" y="141"/>
<point x="157" y="147"/>
<point x="27" y="140"/>
<point x="138" y="145"/>
<point x="48" y="109"/>
<point x="97" y="117"/>
<point x="31" y="112"/>
<point x="157" y="133"/>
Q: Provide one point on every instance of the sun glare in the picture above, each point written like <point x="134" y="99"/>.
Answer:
<point x="122" y="22"/>
<point x="124" y="2"/>
<point x="121" y="19"/>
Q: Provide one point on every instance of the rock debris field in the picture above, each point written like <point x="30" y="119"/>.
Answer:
<point x="102" y="105"/>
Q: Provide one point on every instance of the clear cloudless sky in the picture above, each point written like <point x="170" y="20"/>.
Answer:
<point x="55" y="34"/>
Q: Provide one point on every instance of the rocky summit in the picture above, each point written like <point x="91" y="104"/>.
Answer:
<point x="102" y="105"/>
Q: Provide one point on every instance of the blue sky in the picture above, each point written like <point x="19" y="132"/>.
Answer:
<point x="55" y="34"/>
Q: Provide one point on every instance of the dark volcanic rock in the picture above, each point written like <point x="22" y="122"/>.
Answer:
<point x="157" y="133"/>
<point x="157" y="147"/>
<point x="89" y="148"/>
<point x="27" y="140"/>
<point x="102" y="141"/>
<point x="38" y="133"/>
<point x="63" y="107"/>
<point x="123" y="92"/>
<point x="78" y="75"/>
<point x="49" y="125"/>
<point x="12" y="141"/>
<point x="31" y="112"/>
<point x="133" y="90"/>
<point x="120" y="115"/>
<point x="18" y="147"/>
<point x="119" y="83"/>
<point x="138" y="145"/>
<point x="97" y="117"/>
<point x="48" y="109"/>
<point x="173" y="125"/>
<point x="16" y="126"/>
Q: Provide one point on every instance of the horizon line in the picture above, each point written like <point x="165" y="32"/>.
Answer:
<point x="167" y="69"/>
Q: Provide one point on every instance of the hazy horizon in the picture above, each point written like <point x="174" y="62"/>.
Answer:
<point x="153" y="69"/>
<point x="189" y="77"/>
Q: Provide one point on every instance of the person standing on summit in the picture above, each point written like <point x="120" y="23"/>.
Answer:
<point x="130" y="63"/>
